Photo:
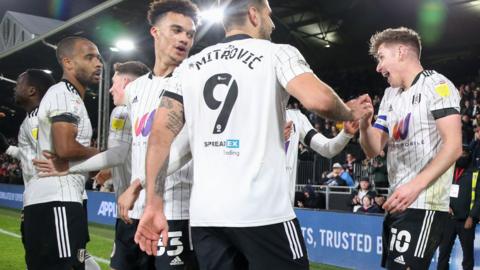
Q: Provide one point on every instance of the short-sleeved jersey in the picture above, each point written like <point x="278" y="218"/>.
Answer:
<point x="142" y="99"/>
<point x="409" y="118"/>
<point x="27" y="145"/>
<point x="234" y="101"/>
<point x="121" y="133"/>
<point x="61" y="103"/>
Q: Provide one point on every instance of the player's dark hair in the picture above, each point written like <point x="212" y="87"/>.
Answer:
<point x="133" y="68"/>
<point x="235" y="11"/>
<point x="158" y="9"/>
<point x="65" y="47"/>
<point x="401" y="35"/>
<point x="39" y="79"/>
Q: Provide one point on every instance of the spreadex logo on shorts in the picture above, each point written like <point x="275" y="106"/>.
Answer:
<point x="229" y="144"/>
<point x="400" y="129"/>
<point x="107" y="209"/>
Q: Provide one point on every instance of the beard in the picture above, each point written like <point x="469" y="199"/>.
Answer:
<point x="85" y="78"/>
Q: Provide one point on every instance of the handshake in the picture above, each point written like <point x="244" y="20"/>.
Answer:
<point x="362" y="110"/>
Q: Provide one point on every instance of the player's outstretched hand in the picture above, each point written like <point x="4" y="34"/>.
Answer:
<point x="402" y="198"/>
<point x="351" y="127"/>
<point x="51" y="166"/>
<point x="102" y="176"/>
<point x="360" y="106"/>
<point x="126" y="201"/>
<point x="152" y="227"/>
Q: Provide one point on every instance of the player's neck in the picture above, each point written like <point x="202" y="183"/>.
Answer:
<point x="242" y="31"/>
<point x="162" y="69"/>
<point x="79" y="86"/>
<point x="31" y="105"/>
<point x="410" y="74"/>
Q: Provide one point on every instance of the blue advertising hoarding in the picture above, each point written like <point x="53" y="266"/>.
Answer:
<point x="343" y="239"/>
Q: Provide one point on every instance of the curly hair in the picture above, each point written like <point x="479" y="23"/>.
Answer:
<point x="160" y="8"/>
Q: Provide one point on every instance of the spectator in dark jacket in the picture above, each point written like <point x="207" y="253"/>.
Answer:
<point x="464" y="212"/>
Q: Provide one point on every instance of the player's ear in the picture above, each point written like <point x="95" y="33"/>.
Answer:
<point x="67" y="63"/>
<point x="31" y="91"/>
<point x="253" y="15"/>
<point x="153" y="31"/>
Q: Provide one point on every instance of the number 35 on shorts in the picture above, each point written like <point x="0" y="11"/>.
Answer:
<point x="175" y="246"/>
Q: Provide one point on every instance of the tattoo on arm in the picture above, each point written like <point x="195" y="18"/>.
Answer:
<point x="175" y="117"/>
<point x="340" y="112"/>
<point x="160" y="179"/>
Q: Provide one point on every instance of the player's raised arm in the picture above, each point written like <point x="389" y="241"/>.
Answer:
<point x="373" y="137"/>
<point x="320" y="98"/>
<point x="168" y="122"/>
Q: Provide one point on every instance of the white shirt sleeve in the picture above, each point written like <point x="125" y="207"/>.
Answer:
<point x="330" y="147"/>
<point x="289" y="63"/>
<point x="319" y="143"/>
<point x="112" y="157"/>
<point x="13" y="151"/>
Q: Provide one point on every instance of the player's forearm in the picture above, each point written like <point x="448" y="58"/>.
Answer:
<point x="75" y="151"/>
<point x="445" y="158"/>
<point x="110" y="158"/>
<point x="371" y="141"/>
<point x="13" y="151"/>
<point x="329" y="147"/>
<point x="156" y="166"/>
<point x="318" y="97"/>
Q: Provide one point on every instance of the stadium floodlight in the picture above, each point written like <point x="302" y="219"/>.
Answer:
<point x="124" y="45"/>
<point x="213" y="15"/>
<point x="327" y="45"/>
<point x="48" y="71"/>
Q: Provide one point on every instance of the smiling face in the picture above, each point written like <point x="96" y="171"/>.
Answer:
<point x="173" y="35"/>
<point x="389" y="64"/>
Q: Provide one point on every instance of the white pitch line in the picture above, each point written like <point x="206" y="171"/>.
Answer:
<point x="98" y="259"/>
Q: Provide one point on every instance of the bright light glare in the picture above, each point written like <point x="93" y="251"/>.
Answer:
<point x="214" y="15"/>
<point x="48" y="71"/>
<point x="124" y="45"/>
<point x="114" y="49"/>
<point x="327" y="45"/>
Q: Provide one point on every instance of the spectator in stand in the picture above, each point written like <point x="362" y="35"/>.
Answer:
<point x="353" y="166"/>
<point x="327" y="129"/>
<point x="467" y="107"/>
<point x="334" y="178"/>
<point x="475" y="149"/>
<point x="467" y="128"/>
<point x="464" y="213"/>
<point x="367" y="205"/>
<point x="475" y="107"/>
<point x="310" y="199"/>
<point x="364" y="189"/>
<point x="476" y="121"/>
<point x="379" y="170"/>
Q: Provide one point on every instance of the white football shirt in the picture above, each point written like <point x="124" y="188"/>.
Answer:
<point x="27" y="145"/>
<point x="408" y="117"/>
<point x="121" y="133"/>
<point x="61" y="103"/>
<point x="234" y="103"/>
<point x="142" y="99"/>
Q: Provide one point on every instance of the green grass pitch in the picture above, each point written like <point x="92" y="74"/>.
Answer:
<point x="100" y="245"/>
